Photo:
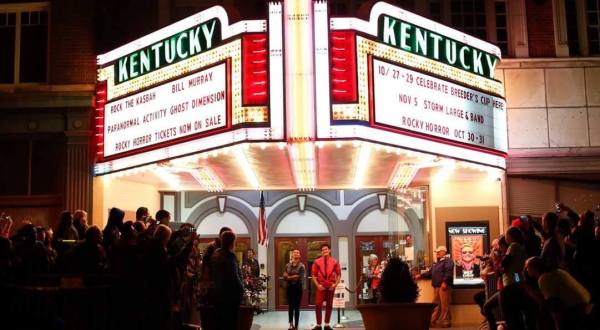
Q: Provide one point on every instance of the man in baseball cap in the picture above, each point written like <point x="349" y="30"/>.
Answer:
<point x="441" y="273"/>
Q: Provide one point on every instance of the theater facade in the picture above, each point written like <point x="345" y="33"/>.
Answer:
<point x="383" y="136"/>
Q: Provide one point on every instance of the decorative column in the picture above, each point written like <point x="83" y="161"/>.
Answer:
<point x="299" y="72"/>
<point x="78" y="175"/>
<point x="517" y="28"/>
<point x="561" y="41"/>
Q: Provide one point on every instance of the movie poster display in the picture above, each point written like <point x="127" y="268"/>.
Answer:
<point x="466" y="242"/>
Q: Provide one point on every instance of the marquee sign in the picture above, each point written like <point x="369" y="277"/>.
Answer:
<point x="186" y="82"/>
<point x="418" y="40"/>
<point x="170" y="50"/>
<point x="396" y="78"/>
<point x="409" y="100"/>
<point x="194" y="104"/>
<point x="404" y="80"/>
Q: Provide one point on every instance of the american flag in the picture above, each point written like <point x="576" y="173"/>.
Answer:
<point x="263" y="234"/>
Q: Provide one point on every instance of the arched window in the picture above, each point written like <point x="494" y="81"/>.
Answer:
<point x="306" y="222"/>
<point x="210" y="225"/>
<point x="378" y="221"/>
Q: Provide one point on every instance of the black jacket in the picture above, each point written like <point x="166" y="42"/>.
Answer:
<point x="441" y="271"/>
<point x="227" y="277"/>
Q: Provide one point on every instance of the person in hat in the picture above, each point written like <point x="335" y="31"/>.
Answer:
<point x="441" y="279"/>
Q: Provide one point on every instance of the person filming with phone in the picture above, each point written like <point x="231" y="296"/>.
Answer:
<point x="514" y="301"/>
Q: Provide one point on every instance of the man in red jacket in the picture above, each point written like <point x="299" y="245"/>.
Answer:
<point x="326" y="275"/>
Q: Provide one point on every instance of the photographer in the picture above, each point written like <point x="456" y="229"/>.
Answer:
<point x="492" y="268"/>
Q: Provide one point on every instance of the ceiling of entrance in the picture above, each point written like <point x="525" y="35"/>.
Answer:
<point x="330" y="165"/>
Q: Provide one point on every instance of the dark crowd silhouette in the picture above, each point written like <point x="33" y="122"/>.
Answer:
<point x="544" y="274"/>
<point x="143" y="274"/>
<point x="138" y="274"/>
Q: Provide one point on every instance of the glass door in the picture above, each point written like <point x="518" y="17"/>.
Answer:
<point x="310" y="249"/>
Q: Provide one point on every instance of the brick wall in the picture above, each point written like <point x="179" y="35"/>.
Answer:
<point x="540" y="28"/>
<point x="71" y="47"/>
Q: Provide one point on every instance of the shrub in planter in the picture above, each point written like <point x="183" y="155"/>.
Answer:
<point x="396" y="307"/>
<point x="253" y="288"/>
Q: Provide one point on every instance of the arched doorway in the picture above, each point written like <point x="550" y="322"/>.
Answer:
<point x="208" y="229"/>
<point x="305" y="231"/>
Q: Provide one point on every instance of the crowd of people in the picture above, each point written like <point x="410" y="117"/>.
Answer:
<point x="538" y="275"/>
<point x="544" y="276"/>
<point x="160" y="277"/>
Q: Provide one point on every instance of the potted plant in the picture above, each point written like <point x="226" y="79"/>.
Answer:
<point x="397" y="302"/>
<point x="253" y="288"/>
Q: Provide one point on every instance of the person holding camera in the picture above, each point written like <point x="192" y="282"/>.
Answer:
<point x="514" y="300"/>
<point x="493" y="265"/>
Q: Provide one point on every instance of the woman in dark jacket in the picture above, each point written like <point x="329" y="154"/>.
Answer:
<point x="65" y="235"/>
<point x="112" y="231"/>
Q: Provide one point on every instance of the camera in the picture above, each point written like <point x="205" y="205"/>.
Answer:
<point x="484" y="258"/>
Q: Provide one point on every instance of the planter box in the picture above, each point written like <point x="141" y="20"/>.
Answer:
<point x="396" y="315"/>
<point x="245" y="317"/>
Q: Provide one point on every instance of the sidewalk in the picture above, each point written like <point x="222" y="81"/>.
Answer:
<point x="278" y="320"/>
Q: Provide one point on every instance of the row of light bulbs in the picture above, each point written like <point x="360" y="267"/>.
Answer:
<point x="304" y="165"/>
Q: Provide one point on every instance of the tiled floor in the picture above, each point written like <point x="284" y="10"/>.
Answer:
<point x="278" y="320"/>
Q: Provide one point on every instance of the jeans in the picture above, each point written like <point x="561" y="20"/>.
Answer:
<point x="294" y="296"/>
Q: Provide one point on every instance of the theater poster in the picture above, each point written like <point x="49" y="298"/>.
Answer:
<point x="466" y="242"/>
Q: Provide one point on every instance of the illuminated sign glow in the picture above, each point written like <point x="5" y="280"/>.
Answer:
<point x="421" y="41"/>
<point x="168" y="51"/>
<point x="409" y="100"/>
<point x="397" y="36"/>
<point x="251" y="51"/>
<point x="299" y="64"/>
<point x="190" y="105"/>
<point x="366" y="47"/>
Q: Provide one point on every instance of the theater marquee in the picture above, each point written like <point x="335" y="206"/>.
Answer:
<point x="298" y="78"/>
<point x="190" y="105"/>
<point x="409" y="100"/>
<point x="197" y="84"/>
<point x="407" y="81"/>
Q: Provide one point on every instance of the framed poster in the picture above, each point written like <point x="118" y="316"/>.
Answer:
<point x="466" y="242"/>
